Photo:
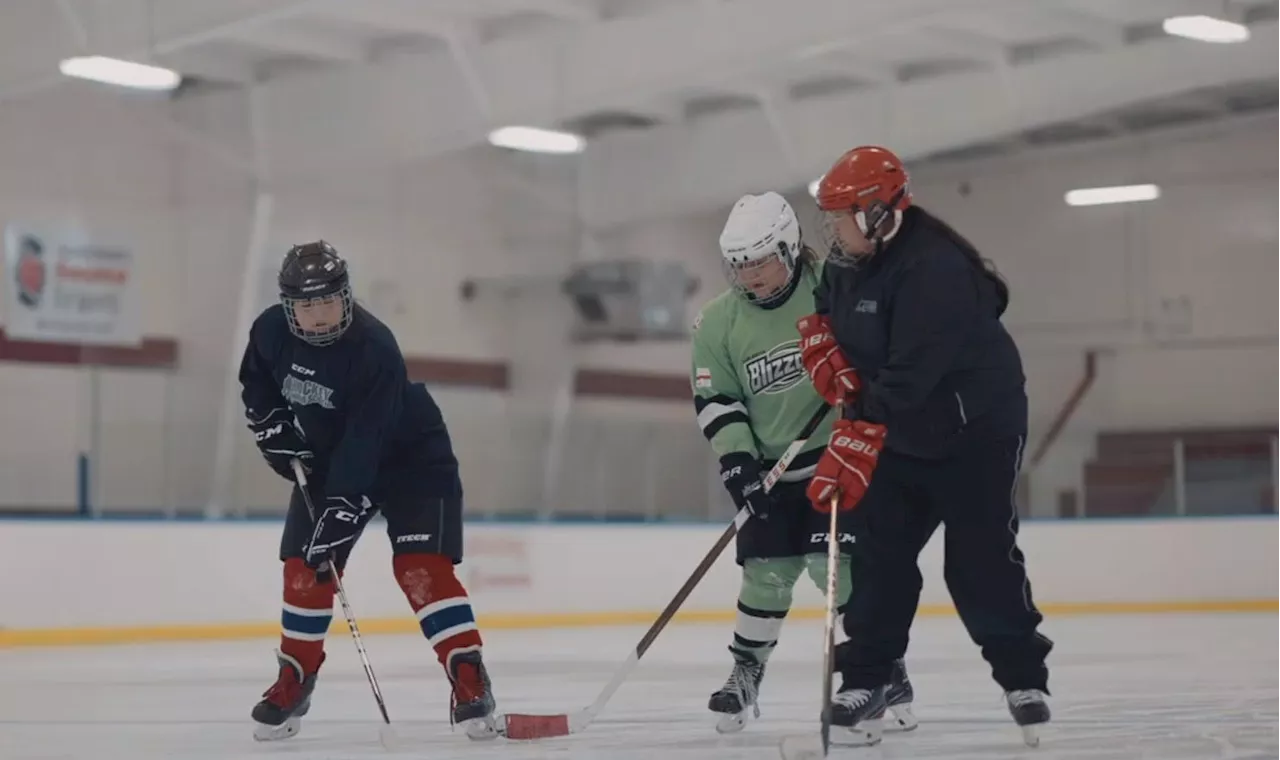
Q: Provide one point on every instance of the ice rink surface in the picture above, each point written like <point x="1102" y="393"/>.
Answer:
<point x="1166" y="687"/>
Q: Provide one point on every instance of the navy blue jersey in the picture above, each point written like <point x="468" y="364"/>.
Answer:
<point x="920" y="322"/>
<point x="354" y="403"/>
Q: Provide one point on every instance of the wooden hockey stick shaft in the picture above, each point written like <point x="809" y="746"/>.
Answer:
<point x="829" y="621"/>
<point x="300" y="475"/>
<point x="528" y="726"/>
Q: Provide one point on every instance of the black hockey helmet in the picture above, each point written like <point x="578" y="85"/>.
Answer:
<point x="315" y="291"/>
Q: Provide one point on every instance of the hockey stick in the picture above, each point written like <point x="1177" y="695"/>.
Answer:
<point x="526" y="726"/>
<point x="829" y="622"/>
<point x="301" y="476"/>
<point x="804" y="747"/>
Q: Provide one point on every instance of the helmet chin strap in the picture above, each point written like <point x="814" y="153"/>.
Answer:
<point x="881" y="213"/>
<point x="884" y="239"/>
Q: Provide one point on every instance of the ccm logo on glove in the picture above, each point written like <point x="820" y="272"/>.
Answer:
<point x="339" y="524"/>
<point x="274" y="430"/>
<point x="280" y="442"/>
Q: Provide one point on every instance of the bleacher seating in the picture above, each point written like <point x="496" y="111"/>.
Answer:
<point x="1227" y="471"/>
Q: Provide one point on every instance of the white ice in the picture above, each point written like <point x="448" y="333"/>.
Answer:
<point x="1167" y="687"/>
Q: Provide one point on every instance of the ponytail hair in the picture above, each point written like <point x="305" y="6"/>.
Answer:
<point x="984" y="265"/>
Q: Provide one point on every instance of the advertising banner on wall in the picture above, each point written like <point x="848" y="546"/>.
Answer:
<point x="62" y="288"/>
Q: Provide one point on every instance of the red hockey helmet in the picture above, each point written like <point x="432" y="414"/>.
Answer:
<point x="867" y="186"/>
<point x="864" y="176"/>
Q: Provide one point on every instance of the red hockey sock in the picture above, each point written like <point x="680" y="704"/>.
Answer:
<point x="439" y="601"/>
<point x="308" y="609"/>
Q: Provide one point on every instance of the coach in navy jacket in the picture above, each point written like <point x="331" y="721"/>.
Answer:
<point x="907" y="336"/>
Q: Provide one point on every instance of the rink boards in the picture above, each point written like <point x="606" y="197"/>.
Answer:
<point x="87" y="582"/>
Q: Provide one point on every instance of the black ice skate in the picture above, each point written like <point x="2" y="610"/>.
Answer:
<point x="1029" y="711"/>
<point x="472" y="702"/>
<point x="739" y="694"/>
<point x="899" y="695"/>
<point x="860" y="712"/>
<point x="279" y="714"/>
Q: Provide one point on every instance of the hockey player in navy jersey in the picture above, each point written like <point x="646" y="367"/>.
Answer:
<point x="324" y="382"/>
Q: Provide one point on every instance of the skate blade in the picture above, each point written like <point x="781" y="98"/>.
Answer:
<point x="482" y="729"/>
<point x="809" y="746"/>
<point x="868" y="733"/>
<point x="264" y="733"/>
<point x="903" y="719"/>
<point x="732" y="723"/>
<point x="1031" y="734"/>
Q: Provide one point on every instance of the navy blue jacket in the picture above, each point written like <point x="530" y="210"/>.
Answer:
<point x="358" y="411"/>
<point x="920" y="322"/>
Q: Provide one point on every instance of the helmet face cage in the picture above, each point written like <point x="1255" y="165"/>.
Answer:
<point x="745" y="274"/>
<point x="839" y="226"/>
<point x="329" y="334"/>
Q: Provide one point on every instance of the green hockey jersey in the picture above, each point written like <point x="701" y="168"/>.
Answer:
<point x="750" y="388"/>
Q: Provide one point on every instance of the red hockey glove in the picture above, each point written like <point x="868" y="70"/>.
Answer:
<point x="829" y="371"/>
<point x="844" y="471"/>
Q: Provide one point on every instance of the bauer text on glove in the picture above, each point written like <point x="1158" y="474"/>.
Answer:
<point x="845" y="469"/>
<point x="828" y="369"/>
<point x="338" y="524"/>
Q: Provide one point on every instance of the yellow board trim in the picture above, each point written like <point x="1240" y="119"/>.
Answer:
<point x="48" y="637"/>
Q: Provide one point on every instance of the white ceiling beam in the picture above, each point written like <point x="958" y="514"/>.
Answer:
<point x="1074" y="22"/>
<point x="582" y="11"/>
<point x="281" y="38"/>
<point x="1129" y="11"/>
<point x="167" y="45"/>
<point x="859" y="67"/>
<point x="838" y="58"/>
<point x="964" y="44"/>
<point x="412" y="16"/>
<point x="205" y="65"/>
<point x="75" y="24"/>
<point x="279" y="13"/>
<point x="702" y="166"/>
<point x="426" y="109"/>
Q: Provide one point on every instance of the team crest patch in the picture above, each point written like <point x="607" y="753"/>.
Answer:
<point x="306" y="392"/>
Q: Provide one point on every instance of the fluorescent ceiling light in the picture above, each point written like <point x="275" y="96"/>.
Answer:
<point x="1206" y="29"/>
<point x="813" y="187"/>
<point x="122" y="73"/>
<point x="536" y="140"/>
<point x="1098" y="196"/>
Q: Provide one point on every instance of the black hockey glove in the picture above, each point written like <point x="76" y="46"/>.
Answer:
<point x="338" y="524"/>
<point x="740" y="473"/>
<point x="280" y="442"/>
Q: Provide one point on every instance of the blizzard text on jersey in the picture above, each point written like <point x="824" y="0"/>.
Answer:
<point x="776" y="370"/>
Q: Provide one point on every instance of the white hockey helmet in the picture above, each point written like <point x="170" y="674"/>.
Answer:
<point x="761" y="245"/>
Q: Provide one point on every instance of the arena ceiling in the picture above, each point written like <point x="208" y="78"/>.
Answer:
<point x="683" y="103"/>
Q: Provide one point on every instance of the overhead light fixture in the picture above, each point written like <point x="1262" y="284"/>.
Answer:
<point x="1099" y="196"/>
<point x="138" y="76"/>
<point x="1206" y="29"/>
<point x="535" y="140"/>
<point x="813" y="187"/>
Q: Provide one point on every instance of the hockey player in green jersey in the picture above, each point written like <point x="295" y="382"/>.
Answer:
<point x="752" y="399"/>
